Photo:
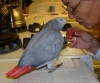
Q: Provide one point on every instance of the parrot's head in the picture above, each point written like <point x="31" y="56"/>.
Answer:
<point x="60" y="24"/>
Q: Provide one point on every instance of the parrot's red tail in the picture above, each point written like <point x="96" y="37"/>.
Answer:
<point x="17" y="71"/>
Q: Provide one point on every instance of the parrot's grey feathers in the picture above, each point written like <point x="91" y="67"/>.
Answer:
<point x="43" y="50"/>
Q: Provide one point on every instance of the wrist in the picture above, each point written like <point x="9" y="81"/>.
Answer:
<point x="94" y="47"/>
<point x="94" y="50"/>
<point x="97" y="55"/>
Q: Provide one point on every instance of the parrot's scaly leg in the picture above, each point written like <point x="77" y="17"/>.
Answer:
<point x="55" y="67"/>
<point x="51" y="65"/>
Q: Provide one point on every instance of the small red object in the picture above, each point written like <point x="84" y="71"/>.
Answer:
<point x="17" y="71"/>
<point x="74" y="29"/>
<point x="69" y="36"/>
<point x="71" y="32"/>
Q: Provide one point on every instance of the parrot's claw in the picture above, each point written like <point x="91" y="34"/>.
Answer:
<point x="57" y="66"/>
<point x="54" y="68"/>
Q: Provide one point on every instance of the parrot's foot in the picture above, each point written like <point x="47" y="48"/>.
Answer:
<point x="54" y="68"/>
<point x="57" y="66"/>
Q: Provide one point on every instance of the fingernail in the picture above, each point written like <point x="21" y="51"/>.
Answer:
<point x="74" y="38"/>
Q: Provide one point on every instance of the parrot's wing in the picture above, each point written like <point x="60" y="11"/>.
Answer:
<point x="46" y="48"/>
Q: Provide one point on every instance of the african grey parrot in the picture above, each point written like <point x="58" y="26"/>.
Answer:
<point x="43" y="49"/>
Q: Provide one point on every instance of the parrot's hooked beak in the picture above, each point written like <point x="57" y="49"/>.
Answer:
<point x="66" y="26"/>
<point x="17" y="71"/>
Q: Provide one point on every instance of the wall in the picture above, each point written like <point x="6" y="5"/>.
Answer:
<point x="43" y="6"/>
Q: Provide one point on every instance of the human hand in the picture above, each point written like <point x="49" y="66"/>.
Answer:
<point x="79" y="38"/>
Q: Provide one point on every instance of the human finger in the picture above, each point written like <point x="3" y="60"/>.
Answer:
<point x="70" y="40"/>
<point x="73" y="44"/>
